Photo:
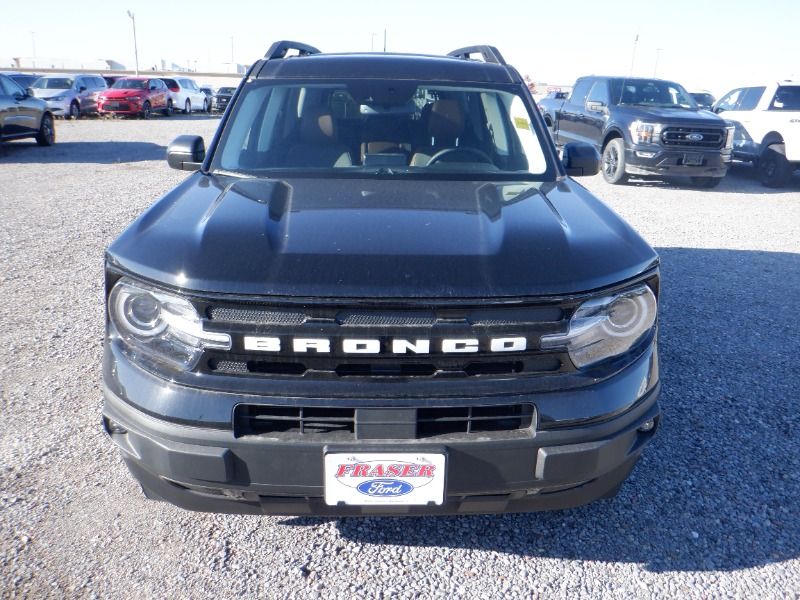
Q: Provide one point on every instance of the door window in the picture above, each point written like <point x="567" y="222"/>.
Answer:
<point x="730" y="100"/>
<point x="579" y="92"/>
<point x="599" y="92"/>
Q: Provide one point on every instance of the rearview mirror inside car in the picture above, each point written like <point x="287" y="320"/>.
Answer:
<point x="186" y="152"/>
<point x="580" y="159"/>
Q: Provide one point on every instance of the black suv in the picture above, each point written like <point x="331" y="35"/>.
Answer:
<point x="380" y="293"/>
<point x="645" y="127"/>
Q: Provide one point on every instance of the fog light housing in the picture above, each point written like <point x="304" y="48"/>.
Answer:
<point x="643" y="154"/>
<point x="647" y="426"/>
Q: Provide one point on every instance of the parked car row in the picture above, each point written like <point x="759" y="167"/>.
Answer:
<point x="652" y="127"/>
<point x="74" y="95"/>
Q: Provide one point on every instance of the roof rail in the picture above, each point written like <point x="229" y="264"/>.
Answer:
<point x="490" y="54"/>
<point x="280" y="48"/>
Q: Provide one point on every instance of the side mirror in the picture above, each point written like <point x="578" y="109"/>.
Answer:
<point x="82" y="88"/>
<point x="186" y="153"/>
<point x="153" y="88"/>
<point x="580" y="159"/>
<point x="29" y="92"/>
<point x="595" y="106"/>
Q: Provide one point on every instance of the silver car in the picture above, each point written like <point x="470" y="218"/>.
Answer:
<point x="186" y="95"/>
<point x="69" y="96"/>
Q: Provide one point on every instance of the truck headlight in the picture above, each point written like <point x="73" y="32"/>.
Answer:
<point x="730" y="132"/>
<point x="645" y="133"/>
<point x="160" y="326"/>
<point x="602" y="328"/>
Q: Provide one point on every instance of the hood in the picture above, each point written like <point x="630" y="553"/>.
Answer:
<point x="46" y="93"/>
<point x="120" y="93"/>
<point x="672" y="116"/>
<point x="366" y="238"/>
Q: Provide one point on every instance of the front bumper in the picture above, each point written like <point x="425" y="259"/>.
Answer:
<point x="58" y="108"/>
<point x="211" y="469"/>
<point x="655" y="160"/>
<point x="120" y="107"/>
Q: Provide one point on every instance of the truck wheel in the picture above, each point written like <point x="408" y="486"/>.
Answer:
<point x="706" y="182"/>
<point x="773" y="168"/>
<point x="614" y="161"/>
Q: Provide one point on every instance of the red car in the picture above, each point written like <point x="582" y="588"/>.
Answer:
<point x="135" y="96"/>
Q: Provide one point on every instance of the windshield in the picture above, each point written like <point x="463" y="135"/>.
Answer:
<point x="129" y="84"/>
<point x="786" y="98"/>
<point x="703" y="99"/>
<point x="53" y="83"/>
<point x="226" y="90"/>
<point x="651" y="92"/>
<point x="381" y="127"/>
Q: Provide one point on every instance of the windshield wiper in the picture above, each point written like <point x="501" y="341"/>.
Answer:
<point x="238" y="174"/>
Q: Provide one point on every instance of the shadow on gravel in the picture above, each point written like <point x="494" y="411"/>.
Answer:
<point x="81" y="152"/>
<point x="741" y="179"/>
<point x="718" y="488"/>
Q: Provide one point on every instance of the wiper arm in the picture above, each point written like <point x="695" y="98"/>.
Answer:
<point x="238" y="174"/>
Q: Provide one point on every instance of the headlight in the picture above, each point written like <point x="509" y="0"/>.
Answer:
<point x="602" y="328"/>
<point x="133" y="98"/>
<point x="729" y="137"/>
<point x="58" y="98"/>
<point x="645" y="133"/>
<point x="160" y="326"/>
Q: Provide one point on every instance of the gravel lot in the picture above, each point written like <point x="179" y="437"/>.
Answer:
<point x="711" y="511"/>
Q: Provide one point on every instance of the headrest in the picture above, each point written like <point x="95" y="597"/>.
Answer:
<point x="446" y="119"/>
<point x="316" y="125"/>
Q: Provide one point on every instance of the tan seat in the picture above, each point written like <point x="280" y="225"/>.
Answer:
<point x="318" y="145"/>
<point x="445" y="125"/>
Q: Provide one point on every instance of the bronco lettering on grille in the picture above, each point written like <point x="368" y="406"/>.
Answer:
<point x="393" y="346"/>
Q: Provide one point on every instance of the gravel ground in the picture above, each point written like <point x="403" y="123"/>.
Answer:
<point x="711" y="511"/>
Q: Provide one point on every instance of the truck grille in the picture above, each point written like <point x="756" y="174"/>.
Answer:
<point x="683" y="136"/>
<point x="344" y="423"/>
<point x="436" y="326"/>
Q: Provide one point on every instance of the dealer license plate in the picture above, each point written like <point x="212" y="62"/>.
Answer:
<point x="693" y="159"/>
<point x="405" y="478"/>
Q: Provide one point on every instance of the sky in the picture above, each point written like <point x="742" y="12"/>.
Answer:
<point x="701" y="44"/>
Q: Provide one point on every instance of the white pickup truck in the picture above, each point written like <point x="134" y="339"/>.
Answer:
<point x="767" y="121"/>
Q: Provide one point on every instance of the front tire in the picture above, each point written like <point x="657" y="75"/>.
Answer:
<point x="74" y="111"/>
<point x="706" y="183"/>
<point x="774" y="170"/>
<point x="168" y="111"/>
<point x="146" y="111"/>
<point x="187" y="108"/>
<point x="47" y="132"/>
<point x="614" y="162"/>
<point x="205" y="106"/>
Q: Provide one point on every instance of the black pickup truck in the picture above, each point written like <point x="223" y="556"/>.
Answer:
<point x="642" y="127"/>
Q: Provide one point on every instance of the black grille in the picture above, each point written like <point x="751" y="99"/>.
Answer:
<point x="341" y="423"/>
<point x="419" y="332"/>
<point x="681" y="136"/>
<point x="473" y="419"/>
<point x="252" y="419"/>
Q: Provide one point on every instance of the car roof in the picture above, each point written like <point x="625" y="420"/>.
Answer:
<point x="383" y="66"/>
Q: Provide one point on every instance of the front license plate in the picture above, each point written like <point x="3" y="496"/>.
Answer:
<point x="407" y="478"/>
<point x="112" y="104"/>
<point x="693" y="160"/>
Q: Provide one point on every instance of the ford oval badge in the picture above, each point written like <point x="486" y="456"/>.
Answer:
<point x="694" y="137"/>
<point x="385" y="488"/>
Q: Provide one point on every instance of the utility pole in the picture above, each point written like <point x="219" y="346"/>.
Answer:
<point x="231" y="49"/>
<point x="384" y="40"/>
<point x="658" y="55"/>
<point x="33" y="44"/>
<point x="633" y="56"/>
<point x="135" y="46"/>
<point x="372" y="43"/>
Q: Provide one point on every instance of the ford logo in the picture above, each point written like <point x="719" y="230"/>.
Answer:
<point x="385" y="488"/>
<point x="694" y="137"/>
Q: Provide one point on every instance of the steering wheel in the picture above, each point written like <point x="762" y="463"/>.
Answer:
<point x="441" y="154"/>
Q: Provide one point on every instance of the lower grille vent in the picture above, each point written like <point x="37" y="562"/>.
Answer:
<point x="252" y="419"/>
<point x="473" y="419"/>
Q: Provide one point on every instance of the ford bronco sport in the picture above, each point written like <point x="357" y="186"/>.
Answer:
<point x="380" y="292"/>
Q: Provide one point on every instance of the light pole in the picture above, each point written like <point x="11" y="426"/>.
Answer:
<point x="658" y="55"/>
<point x="135" y="47"/>
<point x="231" y="50"/>
<point x="633" y="55"/>
<point x="372" y="44"/>
<point x="33" y="44"/>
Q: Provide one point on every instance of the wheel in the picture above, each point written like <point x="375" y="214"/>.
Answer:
<point x="773" y="168"/>
<point x="168" y="111"/>
<point x="205" y="105"/>
<point x="614" y="161"/>
<point x="146" y="111"/>
<point x="47" y="132"/>
<point x="706" y="183"/>
<point x="74" y="111"/>
<point x="187" y="108"/>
